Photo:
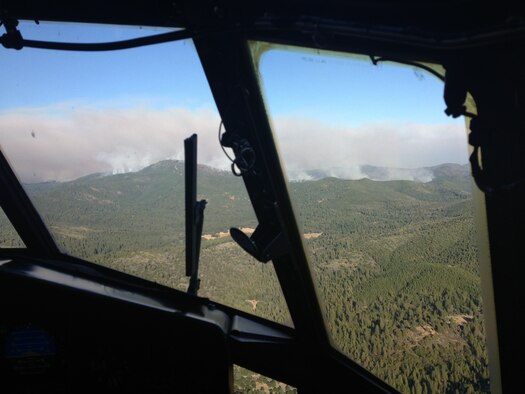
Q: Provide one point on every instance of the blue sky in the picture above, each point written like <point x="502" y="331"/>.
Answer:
<point x="162" y="74"/>
<point x="106" y="76"/>
<point x="118" y="111"/>
<point x="350" y="90"/>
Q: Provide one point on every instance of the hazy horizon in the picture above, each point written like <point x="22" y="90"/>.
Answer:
<point x="417" y="174"/>
<point x="63" y="143"/>
<point x="121" y="111"/>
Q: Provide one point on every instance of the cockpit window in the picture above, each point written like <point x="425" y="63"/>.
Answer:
<point x="97" y="141"/>
<point x="9" y="238"/>
<point x="382" y="188"/>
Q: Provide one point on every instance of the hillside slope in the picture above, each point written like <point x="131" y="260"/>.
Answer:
<point x="395" y="262"/>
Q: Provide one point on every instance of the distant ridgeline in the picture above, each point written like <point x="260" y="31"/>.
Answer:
<point x="396" y="262"/>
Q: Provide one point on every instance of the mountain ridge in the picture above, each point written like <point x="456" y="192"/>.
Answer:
<point x="381" y="173"/>
<point x="374" y="173"/>
<point x="152" y="200"/>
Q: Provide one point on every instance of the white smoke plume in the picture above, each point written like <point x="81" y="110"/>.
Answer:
<point x="402" y="148"/>
<point x="87" y="140"/>
<point x="63" y="144"/>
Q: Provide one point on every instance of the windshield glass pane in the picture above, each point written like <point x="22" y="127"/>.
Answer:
<point x="97" y="141"/>
<point x="9" y="238"/>
<point x="382" y="188"/>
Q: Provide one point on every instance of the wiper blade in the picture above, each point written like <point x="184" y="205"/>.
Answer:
<point x="194" y="214"/>
<point x="13" y="39"/>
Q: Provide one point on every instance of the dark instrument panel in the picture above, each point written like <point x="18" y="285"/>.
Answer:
<point x="65" y="333"/>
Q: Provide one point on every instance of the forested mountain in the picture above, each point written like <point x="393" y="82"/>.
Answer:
<point x="397" y="267"/>
<point x="395" y="262"/>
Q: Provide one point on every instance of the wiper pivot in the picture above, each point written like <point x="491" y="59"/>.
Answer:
<point x="264" y="245"/>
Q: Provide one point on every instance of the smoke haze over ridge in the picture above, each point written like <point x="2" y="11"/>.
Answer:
<point x="62" y="144"/>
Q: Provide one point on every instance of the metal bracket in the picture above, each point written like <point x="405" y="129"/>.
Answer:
<point x="264" y="245"/>
<point x="12" y="39"/>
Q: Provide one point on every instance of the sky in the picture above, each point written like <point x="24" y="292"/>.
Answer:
<point x="68" y="114"/>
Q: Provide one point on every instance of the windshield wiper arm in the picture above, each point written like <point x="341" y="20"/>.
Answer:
<point x="194" y="214"/>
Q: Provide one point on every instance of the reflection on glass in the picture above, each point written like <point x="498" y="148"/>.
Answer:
<point x="381" y="185"/>
<point x="97" y="141"/>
